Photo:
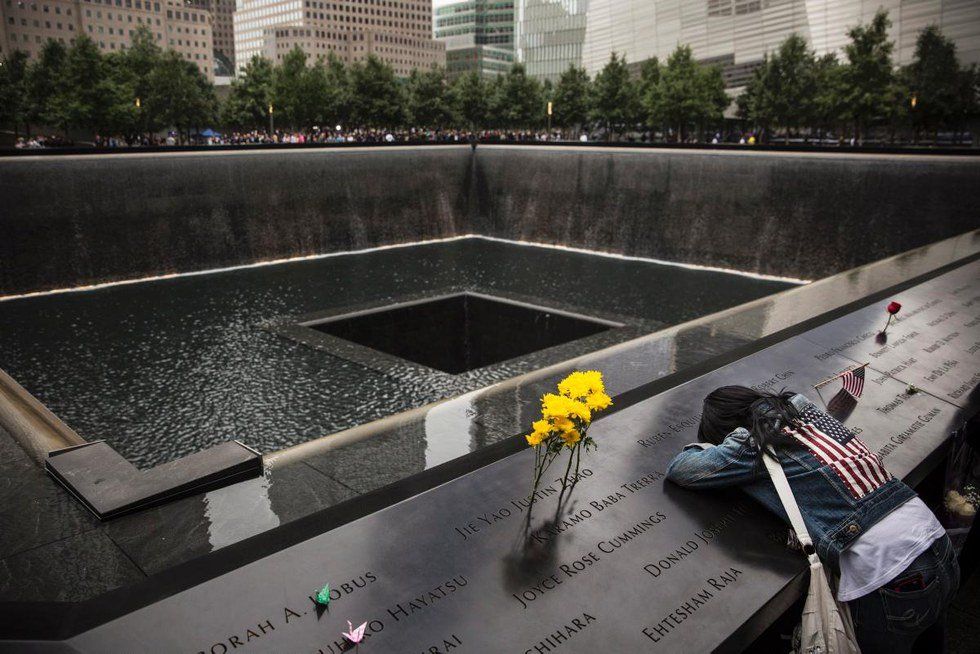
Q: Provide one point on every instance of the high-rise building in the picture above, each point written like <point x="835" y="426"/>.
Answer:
<point x="479" y="36"/>
<point x="735" y="34"/>
<point x="222" y="30"/>
<point x="398" y="32"/>
<point x="549" y="35"/>
<point x="176" y="25"/>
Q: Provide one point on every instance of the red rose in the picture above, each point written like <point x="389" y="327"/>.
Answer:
<point x="894" y="307"/>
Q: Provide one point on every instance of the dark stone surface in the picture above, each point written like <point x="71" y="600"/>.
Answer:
<point x="394" y="567"/>
<point x="166" y="368"/>
<point x="83" y="219"/>
<point x="784" y="214"/>
<point x="443" y="431"/>
<point x="165" y="536"/>
<point x="110" y="486"/>
<point x="86" y="219"/>
<point x="35" y="511"/>
<point x="69" y="570"/>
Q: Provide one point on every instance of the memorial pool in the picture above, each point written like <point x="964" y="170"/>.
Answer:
<point x="164" y="368"/>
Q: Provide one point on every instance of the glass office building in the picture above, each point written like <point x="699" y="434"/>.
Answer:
<point x="550" y="35"/>
<point x="479" y="36"/>
<point x="735" y="34"/>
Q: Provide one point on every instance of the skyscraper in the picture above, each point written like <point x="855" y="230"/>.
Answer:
<point x="398" y="32"/>
<point x="549" y="35"/>
<point x="479" y="36"/>
<point x="736" y="34"/>
<point x="185" y="28"/>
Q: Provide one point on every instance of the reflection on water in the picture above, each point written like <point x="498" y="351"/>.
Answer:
<point x="165" y="368"/>
<point x="234" y="514"/>
<point x="455" y="417"/>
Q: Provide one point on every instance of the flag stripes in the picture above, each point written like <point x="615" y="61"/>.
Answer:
<point x="837" y="447"/>
<point x="853" y="381"/>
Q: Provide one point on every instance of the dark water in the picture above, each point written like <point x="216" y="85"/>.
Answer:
<point x="164" y="368"/>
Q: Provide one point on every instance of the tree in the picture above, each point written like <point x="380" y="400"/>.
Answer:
<point x="251" y="94"/>
<point x="518" y="101"/>
<point x="335" y="104"/>
<point x="689" y="93"/>
<point x="781" y="90"/>
<point x="933" y="80"/>
<point x="755" y="102"/>
<point x="793" y="71"/>
<point x="968" y="97"/>
<point x="13" y="90"/>
<point x="469" y="97"/>
<point x="572" y="100"/>
<point x="868" y="76"/>
<point x="289" y="89"/>
<point x="828" y="97"/>
<point x="181" y="95"/>
<point x="712" y="99"/>
<point x="132" y="69"/>
<point x="615" y="100"/>
<point x="648" y="90"/>
<point x="88" y="87"/>
<point x="376" y="97"/>
<point x="429" y="104"/>
<point x="46" y="87"/>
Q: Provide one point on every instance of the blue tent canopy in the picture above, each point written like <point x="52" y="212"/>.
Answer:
<point x="209" y="133"/>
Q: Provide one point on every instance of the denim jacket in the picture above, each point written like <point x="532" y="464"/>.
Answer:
<point x="841" y="487"/>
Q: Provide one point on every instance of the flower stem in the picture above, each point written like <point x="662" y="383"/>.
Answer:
<point x="564" y="480"/>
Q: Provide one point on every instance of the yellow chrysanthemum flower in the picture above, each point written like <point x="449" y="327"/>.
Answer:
<point x="581" y="384"/>
<point x="535" y="437"/>
<point x="542" y="426"/>
<point x="559" y="406"/>
<point x="571" y="437"/>
<point x="598" y="401"/>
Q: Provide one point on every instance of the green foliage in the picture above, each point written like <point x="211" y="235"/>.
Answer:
<point x="868" y="78"/>
<point x="615" y="97"/>
<point x="13" y="90"/>
<point x="335" y="98"/>
<point x="142" y="89"/>
<point x="180" y="95"/>
<point x="470" y="101"/>
<point x="429" y="101"/>
<point x="289" y="90"/>
<point x="687" y="93"/>
<point x="376" y="98"/>
<point x="780" y="93"/>
<point x="828" y="94"/>
<point x="933" y="79"/>
<point x="518" y="100"/>
<point x="46" y="87"/>
<point x="247" y="105"/>
<point x="649" y="87"/>
<point x="572" y="99"/>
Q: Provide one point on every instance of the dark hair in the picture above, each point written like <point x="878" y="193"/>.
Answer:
<point x="763" y="414"/>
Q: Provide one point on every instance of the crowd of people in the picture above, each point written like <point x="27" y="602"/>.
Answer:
<point x="366" y="136"/>
<point x="42" y="141"/>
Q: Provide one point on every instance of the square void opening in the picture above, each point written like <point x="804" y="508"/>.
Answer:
<point x="458" y="333"/>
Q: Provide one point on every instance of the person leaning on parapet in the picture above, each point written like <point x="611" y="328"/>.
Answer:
<point x="898" y="570"/>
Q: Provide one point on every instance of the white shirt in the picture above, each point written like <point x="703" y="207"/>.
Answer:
<point x="881" y="553"/>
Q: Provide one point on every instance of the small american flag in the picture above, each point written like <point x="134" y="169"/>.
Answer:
<point x="836" y="446"/>
<point x="853" y="381"/>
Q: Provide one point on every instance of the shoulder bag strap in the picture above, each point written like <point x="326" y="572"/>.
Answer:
<point x="789" y="504"/>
